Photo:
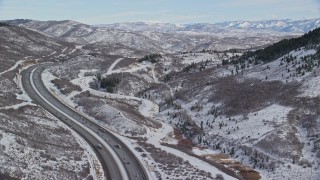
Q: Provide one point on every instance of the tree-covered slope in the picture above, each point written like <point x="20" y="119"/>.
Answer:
<point x="310" y="40"/>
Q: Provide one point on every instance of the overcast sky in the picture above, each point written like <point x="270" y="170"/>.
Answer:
<point x="172" y="11"/>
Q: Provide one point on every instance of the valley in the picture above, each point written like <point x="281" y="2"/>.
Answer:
<point x="187" y="102"/>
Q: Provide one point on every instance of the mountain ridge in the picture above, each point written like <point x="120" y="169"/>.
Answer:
<point x="154" y="37"/>
<point x="277" y="25"/>
<point x="281" y="25"/>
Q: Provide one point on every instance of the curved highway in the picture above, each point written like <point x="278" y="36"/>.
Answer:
<point x="118" y="162"/>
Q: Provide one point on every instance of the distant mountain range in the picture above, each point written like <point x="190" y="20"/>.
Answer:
<point x="281" y="26"/>
<point x="276" y="26"/>
<point x="166" y="37"/>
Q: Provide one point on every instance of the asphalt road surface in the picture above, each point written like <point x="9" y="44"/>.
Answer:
<point x="116" y="158"/>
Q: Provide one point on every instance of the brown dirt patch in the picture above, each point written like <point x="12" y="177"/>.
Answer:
<point x="217" y="157"/>
<point x="184" y="143"/>
<point x="246" y="172"/>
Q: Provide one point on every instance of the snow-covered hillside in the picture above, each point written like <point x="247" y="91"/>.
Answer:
<point x="129" y="116"/>
<point x="33" y="143"/>
<point x="260" y="119"/>
<point x="242" y="120"/>
<point x="23" y="44"/>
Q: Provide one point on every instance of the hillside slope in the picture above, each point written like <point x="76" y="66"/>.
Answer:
<point x="260" y="119"/>
<point x="310" y="40"/>
<point x="19" y="43"/>
<point x="33" y="143"/>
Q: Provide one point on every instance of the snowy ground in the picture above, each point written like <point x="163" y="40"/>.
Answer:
<point x="147" y="108"/>
<point x="247" y="133"/>
<point x="274" y="121"/>
<point x="34" y="144"/>
<point x="158" y="136"/>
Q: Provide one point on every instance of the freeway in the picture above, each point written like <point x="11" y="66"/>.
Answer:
<point x="116" y="158"/>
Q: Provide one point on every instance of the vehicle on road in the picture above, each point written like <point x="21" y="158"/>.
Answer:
<point x="99" y="146"/>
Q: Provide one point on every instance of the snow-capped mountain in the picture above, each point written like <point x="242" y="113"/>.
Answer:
<point x="280" y="26"/>
<point x="294" y="26"/>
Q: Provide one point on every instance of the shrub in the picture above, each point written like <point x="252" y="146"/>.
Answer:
<point x="219" y="177"/>
<point x="153" y="58"/>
